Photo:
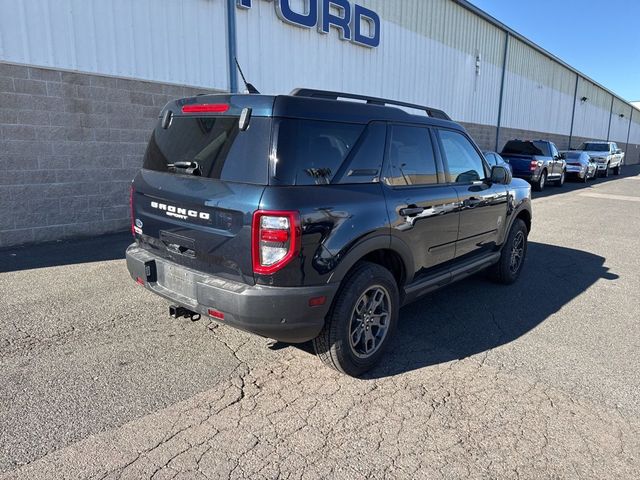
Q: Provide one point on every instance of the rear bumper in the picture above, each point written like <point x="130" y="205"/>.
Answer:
<point x="281" y="313"/>
<point x="528" y="176"/>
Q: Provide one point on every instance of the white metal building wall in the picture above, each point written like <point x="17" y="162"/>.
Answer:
<point x="170" y="41"/>
<point x="634" y="134"/>
<point x="592" y="115"/>
<point x="620" y="125"/>
<point x="538" y="92"/>
<point x="409" y="64"/>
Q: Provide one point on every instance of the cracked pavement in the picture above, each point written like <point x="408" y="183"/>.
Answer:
<point x="537" y="380"/>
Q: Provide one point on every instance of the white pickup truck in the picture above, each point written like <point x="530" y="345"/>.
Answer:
<point x="607" y="156"/>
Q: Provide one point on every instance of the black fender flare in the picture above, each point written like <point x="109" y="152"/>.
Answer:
<point x="371" y="244"/>
<point x="524" y="205"/>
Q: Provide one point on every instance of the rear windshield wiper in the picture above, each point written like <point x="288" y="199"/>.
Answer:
<point x="190" y="168"/>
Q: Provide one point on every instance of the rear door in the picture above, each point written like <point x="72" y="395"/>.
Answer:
<point x="421" y="207"/>
<point x="483" y="205"/>
<point x="201" y="181"/>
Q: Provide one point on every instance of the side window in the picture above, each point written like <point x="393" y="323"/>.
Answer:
<point x="554" y="150"/>
<point x="410" y="157"/>
<point x="465" y="164"/>
<point x="364" y="163"/>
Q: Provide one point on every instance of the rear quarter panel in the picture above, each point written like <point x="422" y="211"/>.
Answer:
<point x="335" y="220"/>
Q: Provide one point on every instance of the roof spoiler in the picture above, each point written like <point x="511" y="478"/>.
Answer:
<point x="328" y="95"/>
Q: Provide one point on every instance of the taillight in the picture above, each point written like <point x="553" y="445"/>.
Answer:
<point x="205" y="108"/>
<point x="275" y="240"/>
<point x="132" y="190"/>
<point x="535" y="164"/>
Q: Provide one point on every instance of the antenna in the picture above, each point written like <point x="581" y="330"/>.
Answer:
<point x="249" y="88"/>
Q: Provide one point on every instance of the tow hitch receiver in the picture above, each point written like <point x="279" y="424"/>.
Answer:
<point x="180" y="312"/>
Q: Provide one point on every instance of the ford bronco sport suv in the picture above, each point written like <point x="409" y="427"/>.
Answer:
<point x="309" y="217"/>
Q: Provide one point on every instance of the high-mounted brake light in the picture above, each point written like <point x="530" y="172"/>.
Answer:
<point x="205" y="108"/>
<point x="275" y="240"/>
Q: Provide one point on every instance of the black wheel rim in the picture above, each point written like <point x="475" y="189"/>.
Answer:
<point x="517" y="252"/>
<point x="370" y="320"/>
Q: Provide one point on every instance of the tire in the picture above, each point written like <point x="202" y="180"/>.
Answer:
<point x="618" y="169"/>
<point x="504" y="271"/>
<point x="605" y="174"/>
<point x="586" y="176"/>
<point x="343" y="342"/>
<point x="542" y="181"/>
<point x="560" y="182"/>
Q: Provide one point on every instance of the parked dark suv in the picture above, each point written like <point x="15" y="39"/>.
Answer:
<point x="306" y="217"/>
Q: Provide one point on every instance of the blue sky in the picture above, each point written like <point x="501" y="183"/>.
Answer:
<point x="600" y="39"/>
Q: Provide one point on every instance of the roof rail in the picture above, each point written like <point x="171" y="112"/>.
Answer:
<point x="309" y="92"/>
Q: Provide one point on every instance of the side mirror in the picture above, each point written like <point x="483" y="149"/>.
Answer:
<point x="563" y="156"/>
<point x="501" y="175"/>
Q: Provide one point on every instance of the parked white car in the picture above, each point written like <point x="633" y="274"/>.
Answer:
<point x="607" y="156"/>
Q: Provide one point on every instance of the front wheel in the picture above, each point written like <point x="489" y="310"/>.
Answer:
<point x="560" y="181"/>
<point x="618" y="169"/>
<point x="605" y="174"/>
<point x="361" y="321"/>
<point x="512" y="256"/>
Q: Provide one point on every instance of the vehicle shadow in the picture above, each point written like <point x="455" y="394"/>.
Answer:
<point x="572" y="184"/>
<point x="476" y="315"/>
<point x="65" y="252"/>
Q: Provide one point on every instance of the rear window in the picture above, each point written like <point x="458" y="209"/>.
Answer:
<point x="311" y="152"/>
<point x="215" y="145"/>
<point x="520" y="147"/>
<point x="594" y="147"/>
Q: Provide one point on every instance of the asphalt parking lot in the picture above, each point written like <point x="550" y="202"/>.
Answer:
<point x="537" y="380"/>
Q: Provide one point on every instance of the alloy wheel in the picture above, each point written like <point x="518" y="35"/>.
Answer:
<point x="370" y="321"/>
<point x="517" y="252"/>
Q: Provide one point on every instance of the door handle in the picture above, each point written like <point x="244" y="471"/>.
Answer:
<point x="411" y="211"/>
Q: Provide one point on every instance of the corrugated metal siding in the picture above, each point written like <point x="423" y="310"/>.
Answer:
<point x="592" y="116"/>
<point x="172" y="41"/>
<point x="408" y="65"/>
<point x="634" y="134"/>
<point x="620" y="125"/>
<point x="445" y="22"/>
<point x="538" y="91"/>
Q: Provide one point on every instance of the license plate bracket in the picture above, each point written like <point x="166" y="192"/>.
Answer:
<point x="178" y="280"/>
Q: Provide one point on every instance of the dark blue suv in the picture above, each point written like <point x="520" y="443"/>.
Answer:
<point x="305" y="217"/>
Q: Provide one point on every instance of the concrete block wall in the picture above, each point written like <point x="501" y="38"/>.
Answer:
<point x="70" y="143"/>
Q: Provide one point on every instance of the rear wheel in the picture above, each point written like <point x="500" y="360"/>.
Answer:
<point x="542" y="181"/>
<point x="513" y="254"/>
<point x="361" y="321"/>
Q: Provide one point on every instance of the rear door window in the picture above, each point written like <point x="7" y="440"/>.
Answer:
<point x="411" y="158"/>
<point x="310" y="152"/>
<point x="215" y="146"/>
